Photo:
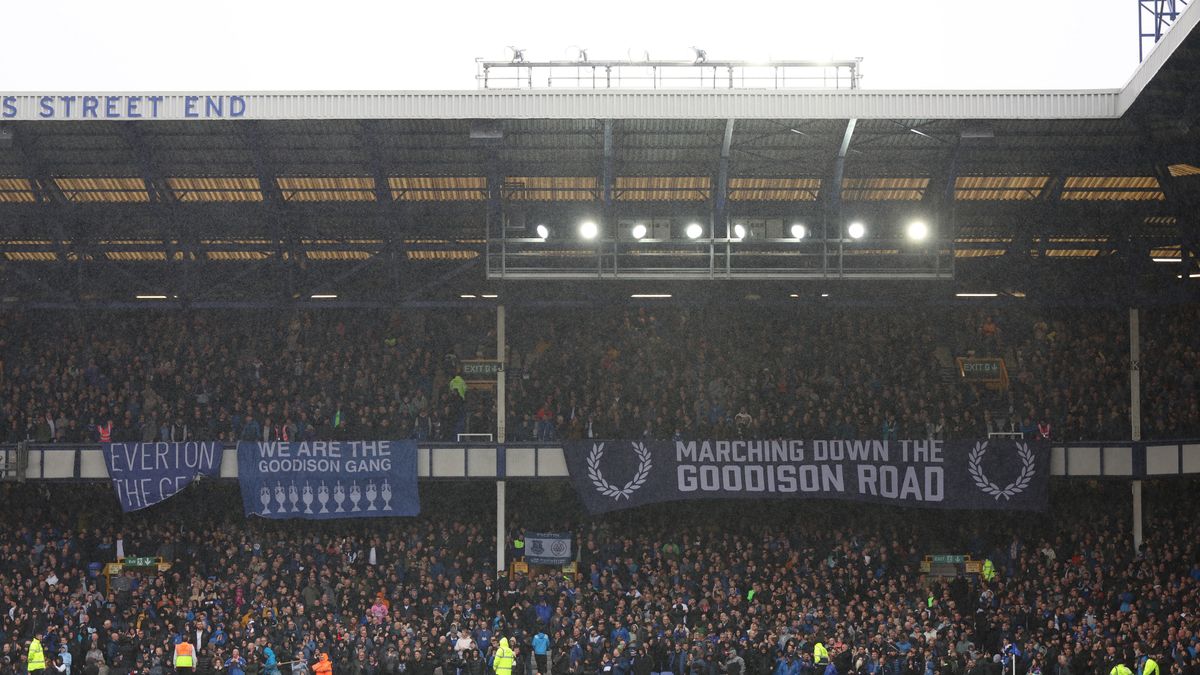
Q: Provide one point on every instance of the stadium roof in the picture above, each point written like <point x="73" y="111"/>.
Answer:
<point x="386" y="194"/>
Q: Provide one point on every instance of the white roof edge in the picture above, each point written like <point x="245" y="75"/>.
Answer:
<point x="564" y="104"/>
<point x="1158" y="56"/>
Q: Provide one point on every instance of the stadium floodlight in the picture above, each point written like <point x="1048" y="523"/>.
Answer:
<point x="588" y="229"/>
<point x="323" y="296"/>
<point x="151" y="297"/>
<point x="467" y="296"/>
<point x="543" y="232"/>
<point x="856" y="230"/>
<point x="975" y="295"/>
<point x="650" y="295"/>
<point x="489" y="295"/>
<point x="739" y="231"/>
<point x="917" y="230"/>
<point x="638" y="231"/>
<point x="1167" y="260"/>
<point x="799" y="231"/>
<point x="693" y="231"/>
<point x="824" y="295"/>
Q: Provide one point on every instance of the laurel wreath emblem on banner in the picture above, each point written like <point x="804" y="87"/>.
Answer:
<point x="1012" y="489"/>
<point x="608" y="489"/>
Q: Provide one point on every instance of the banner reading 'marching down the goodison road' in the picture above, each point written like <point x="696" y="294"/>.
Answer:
<point x="611" y="475"/>
<point x="323" y="480"/>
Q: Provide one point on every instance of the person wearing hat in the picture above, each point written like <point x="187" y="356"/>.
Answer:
<point x="36" y="658"/>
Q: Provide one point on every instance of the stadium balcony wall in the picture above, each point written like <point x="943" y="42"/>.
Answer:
<point x="1110" y="460"/>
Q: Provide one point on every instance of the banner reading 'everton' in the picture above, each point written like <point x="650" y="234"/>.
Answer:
<point x="611" y="475"/>
<point x="144" y="474"/>
<point x="323" y="480"/>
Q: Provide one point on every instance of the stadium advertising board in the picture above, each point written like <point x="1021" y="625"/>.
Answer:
<point x="144" y="474"/>
<point x="548" y="548"/>
<point x="1003" y="475"/>
<point x="325" y="480"/>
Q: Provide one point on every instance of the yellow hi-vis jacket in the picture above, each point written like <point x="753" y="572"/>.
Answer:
<point x="185" y="655"/>
<point x="503" y="662"/>
<point x="36" y="658"/>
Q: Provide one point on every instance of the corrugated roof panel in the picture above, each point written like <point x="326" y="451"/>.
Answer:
<point x="327" y="188"/>
<point x="1072" y="252"/>
<point x="887" y="189"/>
<point x="1183" y="170"/>
<point x="1112" y="188"/>
<point x="337" y="255"/>
<point x="1168" y="252"/>
<point x="552" y="188"/>
<point x="978" y="252"/>
<point x="16" y="191"/>
<point x="441" y="255"/>
<point x="136" y="256"/>
<point x="216" y="189"/>
<point x="983" y="240"/>
<point x="238" y="256"/>
<point x="31" y="256"/>
<point x="1078" y="240"/>
<point x="111" y="190"/>
<point x="774" y="189"/>
<point x="438" y="188"/>
<point x="999" y="188"/>
<point x="662" y="188"/>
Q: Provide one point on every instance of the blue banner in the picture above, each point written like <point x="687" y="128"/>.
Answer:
<point x="323" y="480"/>
<point x="992" y="474"/>
<point x="144" y="474"/>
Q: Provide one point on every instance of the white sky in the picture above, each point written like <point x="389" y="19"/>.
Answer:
<point x="215" y="45"/>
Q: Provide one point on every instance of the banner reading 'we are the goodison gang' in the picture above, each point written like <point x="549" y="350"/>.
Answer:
<point x="611" y="475"/>
<point x="324" y="480"/>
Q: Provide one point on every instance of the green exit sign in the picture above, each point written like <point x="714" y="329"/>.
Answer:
<point x="481" y="370"/>
<point x="140" y="561"/>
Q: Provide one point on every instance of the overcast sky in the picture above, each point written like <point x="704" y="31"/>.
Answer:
<point x="222" y="45"/>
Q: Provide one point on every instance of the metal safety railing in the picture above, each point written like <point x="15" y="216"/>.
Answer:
<point x="699" y="74"/>
<point x="1088" y="460"/>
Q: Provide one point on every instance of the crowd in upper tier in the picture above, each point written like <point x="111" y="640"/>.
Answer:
<point x="627" y="372"/>
<point x="745" y="588"/>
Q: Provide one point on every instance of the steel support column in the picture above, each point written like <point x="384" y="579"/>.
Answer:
<point x="833" y="195"/>
<point x="721" y="194"/>
<point x="501" y="424"/>
<point x="1135" y="414"/>
<point x="607" y="222"/>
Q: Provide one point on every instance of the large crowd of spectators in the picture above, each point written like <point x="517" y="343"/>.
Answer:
<point x="742" y="588"/>
<point x="827" y="373"/>
<point x="624" y="372"/>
